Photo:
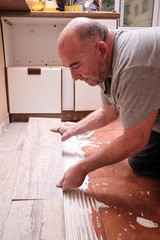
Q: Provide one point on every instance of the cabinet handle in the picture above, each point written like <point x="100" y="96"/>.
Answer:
<point x="34" y="71"/>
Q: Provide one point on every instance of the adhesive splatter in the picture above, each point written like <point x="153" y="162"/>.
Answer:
<point x="146" y="223"/>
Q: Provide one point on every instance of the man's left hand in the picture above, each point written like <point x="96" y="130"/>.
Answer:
<point x="73" y="178"/>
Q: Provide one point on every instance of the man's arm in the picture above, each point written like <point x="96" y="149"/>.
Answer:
<point x="97" y="119"/>
<point x="131" y="142"/>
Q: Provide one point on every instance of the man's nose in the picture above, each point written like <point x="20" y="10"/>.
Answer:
<point x="75" y="75"/>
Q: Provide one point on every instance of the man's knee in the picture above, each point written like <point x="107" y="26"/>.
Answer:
<point x="144" y="167"/>
<point x="134" y="164"/>
<point x="147" y="161"/>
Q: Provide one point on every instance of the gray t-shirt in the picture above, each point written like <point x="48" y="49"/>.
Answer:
<point x="134" y="89"/>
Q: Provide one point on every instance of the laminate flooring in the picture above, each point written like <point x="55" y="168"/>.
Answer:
<point x="31" y="206"/>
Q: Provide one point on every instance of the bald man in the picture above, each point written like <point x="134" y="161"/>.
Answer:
<point x="126" y="66"/>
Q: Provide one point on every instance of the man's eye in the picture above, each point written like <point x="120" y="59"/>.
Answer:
<point x="76" y="67"/>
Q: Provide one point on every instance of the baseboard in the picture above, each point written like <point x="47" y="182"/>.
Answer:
<point x="74" y="115"/>
<point x="24" y="117"/>
<point x="65" y="116"/>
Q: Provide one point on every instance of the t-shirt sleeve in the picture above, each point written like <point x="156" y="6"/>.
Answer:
<point x="138" y="94"/>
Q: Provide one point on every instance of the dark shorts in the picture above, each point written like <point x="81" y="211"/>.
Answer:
<point x="147" y="161"/>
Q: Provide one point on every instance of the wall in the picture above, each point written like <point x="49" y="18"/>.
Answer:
<point x="3" y="99"/>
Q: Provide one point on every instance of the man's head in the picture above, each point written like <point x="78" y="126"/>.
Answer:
<point x="82" y="47"/>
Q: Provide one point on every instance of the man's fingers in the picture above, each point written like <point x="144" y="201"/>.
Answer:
<point x="63" y="184"/>
<point x="54" y="129"/>
<point x="64" y="137"/>
<point x="60" y="184"/>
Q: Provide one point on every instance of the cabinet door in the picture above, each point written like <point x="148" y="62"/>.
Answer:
<point x="39" y="93"/>
<point x="86" y="97"/>
<point x="67" y="90"/>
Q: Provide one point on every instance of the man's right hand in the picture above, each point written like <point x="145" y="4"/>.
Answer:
<point x="65" y="131"/>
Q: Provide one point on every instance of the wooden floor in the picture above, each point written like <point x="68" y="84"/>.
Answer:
<point x="31" y="206"/>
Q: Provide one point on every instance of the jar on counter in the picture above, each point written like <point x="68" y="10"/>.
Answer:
<point x="37" y="5"/>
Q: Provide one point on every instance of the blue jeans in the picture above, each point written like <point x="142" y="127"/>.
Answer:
<point x="147" y="161"/>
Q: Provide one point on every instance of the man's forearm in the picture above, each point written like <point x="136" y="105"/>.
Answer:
<point x="118" y="150"/>
<point x="131" y="142"/>
<point x="97" y="119"/>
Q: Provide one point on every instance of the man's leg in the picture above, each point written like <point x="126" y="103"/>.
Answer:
<point x="147" y="161"/>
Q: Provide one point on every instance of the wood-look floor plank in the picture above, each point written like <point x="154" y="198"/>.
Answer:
<point x="9" y="164"/>
<point x="35" y="220"/>
<point x="13" y="138"/>
<point x="41" y="162"/>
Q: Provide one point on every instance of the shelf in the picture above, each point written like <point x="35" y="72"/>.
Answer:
<point x="97" y="15"/>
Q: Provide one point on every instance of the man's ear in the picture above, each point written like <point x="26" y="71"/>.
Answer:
<point x="102" y="49"/>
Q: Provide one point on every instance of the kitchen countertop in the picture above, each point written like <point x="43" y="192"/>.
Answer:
<point x="20" y="8"/>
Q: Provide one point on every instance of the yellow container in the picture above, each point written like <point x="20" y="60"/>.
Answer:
<point x="75" y="8"/>
<point x="50" y="10"/>
<point x="37" y="5"/>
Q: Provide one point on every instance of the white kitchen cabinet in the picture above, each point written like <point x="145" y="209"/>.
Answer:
<point x="36" y="91"/>
<point x="67" y="90"/>
<point x="31" y="42"/>
<point x="86" y="97"/>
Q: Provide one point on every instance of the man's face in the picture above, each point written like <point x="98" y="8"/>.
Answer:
<point x="82" y="61"/>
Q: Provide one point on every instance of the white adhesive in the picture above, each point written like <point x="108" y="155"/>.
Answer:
<point x="78" y="206"/>
<point x="119" y="236"/>
<point x="74" y="145"/>
<point x="100" y="205"/>
<point x="72" y="153"/>
<point x="132" y="226"/>
<point x="85" y="135"/>
<point x="78" y="215"/>
<point x="146" y="223"/>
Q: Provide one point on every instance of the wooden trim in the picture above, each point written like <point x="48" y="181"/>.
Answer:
<point x="74" y="115"/>
<point x="97" y="15"/>
<point x="65" y="116"/>
<point x="24" y="117"/>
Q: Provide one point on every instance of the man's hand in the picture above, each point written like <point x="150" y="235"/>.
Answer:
<point x="65" y="131"/>
<point x="73" y="178"/>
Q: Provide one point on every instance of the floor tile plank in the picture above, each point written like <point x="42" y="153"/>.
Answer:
<point x="41" y="162"/>
<point x="9" y="164"/>
<point x="13" y="137"/>
<point x="35" y="219"/>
